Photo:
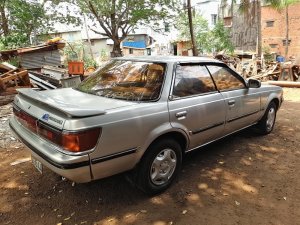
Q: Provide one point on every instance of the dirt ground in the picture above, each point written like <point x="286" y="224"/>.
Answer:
<point x="242" y="179"/>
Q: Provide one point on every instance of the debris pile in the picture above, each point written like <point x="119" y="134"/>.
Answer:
<point x="280" y="73"/>
<point x="10" y="79"/>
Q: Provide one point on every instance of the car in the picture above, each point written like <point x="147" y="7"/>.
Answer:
<point x="140" y="114"/>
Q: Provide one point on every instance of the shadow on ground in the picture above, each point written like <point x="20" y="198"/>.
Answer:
<point x="242" y="179"/>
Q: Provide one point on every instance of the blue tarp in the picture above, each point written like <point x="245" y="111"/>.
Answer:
<point x="134" y="44"/>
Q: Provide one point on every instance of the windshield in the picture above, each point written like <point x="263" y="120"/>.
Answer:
<point x="128" y="80"/>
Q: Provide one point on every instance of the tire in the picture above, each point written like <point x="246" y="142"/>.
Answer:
<point x="267" y="122"/>
<point x="159" y="166"/>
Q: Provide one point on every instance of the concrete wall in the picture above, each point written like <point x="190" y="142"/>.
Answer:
<point x="273" y="36"/>
<point x="70" y="36"/>
<point x="135" y="52"/>
<point x="100" y="48"/>
<point x="207" y="9"/>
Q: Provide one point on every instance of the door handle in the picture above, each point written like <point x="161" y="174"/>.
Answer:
<point x="181" y="114"/>
<point x="231" y="102"/>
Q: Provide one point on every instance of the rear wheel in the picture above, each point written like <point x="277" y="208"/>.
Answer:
<point x="159" y="166"/>
<point x="267" y="122"/>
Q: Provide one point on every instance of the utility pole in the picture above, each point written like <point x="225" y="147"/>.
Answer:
<point x="189" y="8"/>
<point x="88" y="37"/>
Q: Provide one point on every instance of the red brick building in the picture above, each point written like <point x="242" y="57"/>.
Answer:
<point x="274" y="30"/>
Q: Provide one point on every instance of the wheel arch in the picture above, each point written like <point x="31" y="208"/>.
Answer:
<point x="176" y="135"/>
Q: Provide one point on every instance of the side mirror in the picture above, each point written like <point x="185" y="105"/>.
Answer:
<point x="252" y="83"/>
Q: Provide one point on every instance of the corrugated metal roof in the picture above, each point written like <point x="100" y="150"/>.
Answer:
<point x="39" y="59"/>
<point x="134" y="44"/>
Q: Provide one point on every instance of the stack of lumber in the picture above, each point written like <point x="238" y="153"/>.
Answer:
<point x="11" y="79"/>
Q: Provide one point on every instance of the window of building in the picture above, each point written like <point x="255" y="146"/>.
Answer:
<point x="192" y="80"/>
<point x="167" y="27"/>
<point x="273" y="45"/>
<point x="224" y="78"/>
<point x="284" y="42"/>
<point x="213" y="19"/>
<point x="130" y="51"/>
<point x="270" y="23"/>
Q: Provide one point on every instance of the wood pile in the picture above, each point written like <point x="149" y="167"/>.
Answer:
<point x="11" y="79"/>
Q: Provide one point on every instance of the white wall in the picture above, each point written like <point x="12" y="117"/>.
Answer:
<point x="207" y="8"/>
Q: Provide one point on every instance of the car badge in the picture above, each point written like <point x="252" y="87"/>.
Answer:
<point x="45" y="117"/>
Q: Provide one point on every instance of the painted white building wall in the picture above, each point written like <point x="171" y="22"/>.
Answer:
<point x="208" y="9"/>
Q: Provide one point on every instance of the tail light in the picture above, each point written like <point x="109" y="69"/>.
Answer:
<point x="73" y="141"/>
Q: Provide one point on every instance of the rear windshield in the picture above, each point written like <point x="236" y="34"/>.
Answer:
<point x="128" y="80"/>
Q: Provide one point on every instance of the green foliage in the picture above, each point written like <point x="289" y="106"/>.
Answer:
<point x="13" y="41"/>
<point x="89" y="62"/>
<point x="74" y="51"/>
<point x="207" y="41"/>
<point x="25" y="18"/>
<point x="221" y="38"/>
<point x="280" y="4"/>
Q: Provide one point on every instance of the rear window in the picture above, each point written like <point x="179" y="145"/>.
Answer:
<point x="128" y="80"/>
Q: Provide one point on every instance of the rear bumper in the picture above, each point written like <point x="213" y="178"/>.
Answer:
<point x="75" y="168"/>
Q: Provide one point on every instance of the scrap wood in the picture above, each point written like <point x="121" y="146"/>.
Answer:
<point x="14" y="77"/>
<point x="269" y="72"/>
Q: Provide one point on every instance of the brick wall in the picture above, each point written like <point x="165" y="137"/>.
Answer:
<point x="274" y="29"/>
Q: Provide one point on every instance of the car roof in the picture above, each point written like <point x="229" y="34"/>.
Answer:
<point x="180" y="59"/>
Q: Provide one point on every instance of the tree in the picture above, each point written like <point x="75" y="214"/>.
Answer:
<point x="207" y="41"/>
<point x="244" y="8"/>
<point x="4" y="20"/>
<point x="23" y="18"/>
<point x="189" y="8"/>
<point x="220" y="40"/>
<point x="283" y="5"/>
<point x="117" y="18"/>
<point x="201" y="30"/>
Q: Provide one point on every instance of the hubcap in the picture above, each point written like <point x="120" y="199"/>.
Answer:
<point x="270" y="119"/>
<point x="163" y="167"/>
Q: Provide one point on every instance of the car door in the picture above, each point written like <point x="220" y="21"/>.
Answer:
<point x="195" y="105"/>
<point x="242" y="103"/>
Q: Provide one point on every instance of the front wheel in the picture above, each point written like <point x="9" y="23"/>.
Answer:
<point x="267" y="122"/>
<point x="159" y="166"/>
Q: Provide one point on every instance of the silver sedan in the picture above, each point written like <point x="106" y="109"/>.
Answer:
<point x="140" y="114"/>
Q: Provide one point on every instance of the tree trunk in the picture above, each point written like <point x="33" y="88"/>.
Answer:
<point x="259" y="41"/>
<point x="191" y="27"/>
<point x="117" y="51"/>
<point x="4" y="25"/>
<point x="286" y="32"/>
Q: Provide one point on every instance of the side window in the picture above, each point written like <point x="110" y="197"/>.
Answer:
<point x="224" y="79"/>
<point x="192" y="80"/>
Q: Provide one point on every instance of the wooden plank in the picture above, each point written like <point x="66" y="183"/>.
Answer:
<point x="14" y="76"/>
<point x="8" y="73"/>
<point x="3" y="67"/>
